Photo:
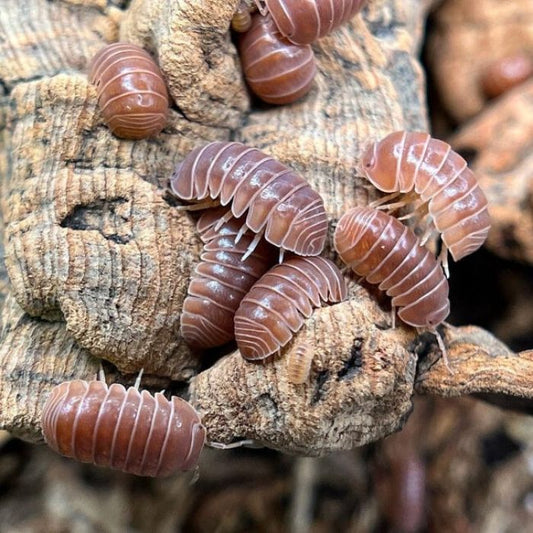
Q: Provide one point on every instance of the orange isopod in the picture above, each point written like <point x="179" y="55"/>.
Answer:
<point x="274" y="201"/>
<point x="382" y="250"/>
<point x="124" y="429"/>
<point x="131" y="90"/>
<point x="404" y="162"/>
<point x="277" y="304"/>
<point x="221" y="280"/>
<point x="299" y="361"/>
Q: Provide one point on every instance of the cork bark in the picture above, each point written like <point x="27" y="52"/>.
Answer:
<point x="99" y="258"/>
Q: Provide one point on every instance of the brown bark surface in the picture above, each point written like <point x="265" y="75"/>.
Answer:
<point x="99" y="258"/>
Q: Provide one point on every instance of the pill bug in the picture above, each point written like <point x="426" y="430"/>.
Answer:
<point x="131" y="91"/>
<point x="278" y="203"/>
<point x="382" y="250"/>
<point x="221" y="280"/>
<point x="128" y="430"/>
<point x="299" y="361"/>
<point x="277" y="304"/>
<point x="276" y="70"/>
<point x="403" y="162"/>
<point x="505" y="73"/>
<point x="305" y="21"/>
<point x="242" y="18"/>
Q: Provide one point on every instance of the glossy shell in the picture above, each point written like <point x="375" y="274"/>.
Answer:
<point x="382" y="250"/>
<point x="221" y="280"/>
<point x="276" y="70"/>
<point x="131" y="91"/>
<point x="276" y="306"/>
<point x="505" y="73"/>
<point x="305" y="21"/>
<point x="123" y="429"/>
<point x="406" y="161"/>
<point x="272" y="199"/>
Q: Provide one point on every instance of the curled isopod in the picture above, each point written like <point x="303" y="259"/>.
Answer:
<point x="276" y="70"/>
<point x="505" y="73"/>
<point x="382" y="250"/>
<point x="128" y="430"/>
<point x="221" y="280"/>
<point x="403" y="162"/>
<point x="242" y="18"/>
<point x="299" y="361"/>
<point x="305" y="21"/>
<point x="131" y="91"/>
<point x="278" y="203"/>
<point x="277" y="304"/>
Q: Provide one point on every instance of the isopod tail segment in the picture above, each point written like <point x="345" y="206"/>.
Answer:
<point x="383" y="251"/>
<point x="274" y="201"/>
<point x="419" y="166"/>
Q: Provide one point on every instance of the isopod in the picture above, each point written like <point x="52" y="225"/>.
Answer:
<point x="128" y="430"/>
<point x="382" y="250"/>
<point x="242" y="18"/>
<point x="505" y="73"/>
<point x="278" y="203"/>
<point x="221" y="280"/>
<point x="407" y="161"/>
<point x="132" y="94"/>
<point x="305" y="21"/>
<point x="277" y="304"/>
<point x="299" y="361"/>
<point x="276" y="70"/>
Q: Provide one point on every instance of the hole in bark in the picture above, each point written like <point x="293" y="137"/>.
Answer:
<point x="355" y="361"/>
<point x="104" y="216"/>
<point x="321" y="379"/>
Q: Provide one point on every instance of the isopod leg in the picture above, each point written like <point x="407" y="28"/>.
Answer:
<point x="199" y="206"/>
<point x="383" y="200"/>
<point x="251" y="246"/>
<point x="250" y="443"/>
<point x="101" y="374"/>
<point x="137" y="383"/>
<point x="443" y="258"/>
<point x="393" y="317"/>
<point x="443" y="350"/>
<point x="226" y="218"/>
<point x="281" y="255"/>
<point x="261" y="7"/>
<point x="243" y="229"/>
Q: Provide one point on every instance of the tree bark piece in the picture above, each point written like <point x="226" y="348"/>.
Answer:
<point x="499" y="144"/>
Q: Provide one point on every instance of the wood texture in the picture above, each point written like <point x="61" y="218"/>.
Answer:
<point x="99" y="259"/>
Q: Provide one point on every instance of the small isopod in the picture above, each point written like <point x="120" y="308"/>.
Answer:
<point x="299" y="361"/>
<point x="128" y="430"/>
<point x="305" y="21"/>
<point x="407" y="161"/>
<point x="382" y="250"/>
<point x="503" y="74"/>
<point x="279" y="204"/>
<point x="242" y="18"/>
<point x="277" y="304"/>
<point x="131" y="90"/>
<point x="276" y="70"/>
<point x="221" y="281"/>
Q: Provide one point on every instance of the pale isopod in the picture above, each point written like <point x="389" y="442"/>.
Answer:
<point x="299" y="361"/>
<point x="278" y="203"/>
<point x="382" y="250"/>
<point x="276" y="70"/>
<point x="131" y="90"/>
<point x="305" y="21"/>
<point x="221" y="280"/>
<point x="242" y="18"/>
<point x="277" y="304"/>
<point x="407" y="161"/>
<point x="128" y="430"/>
